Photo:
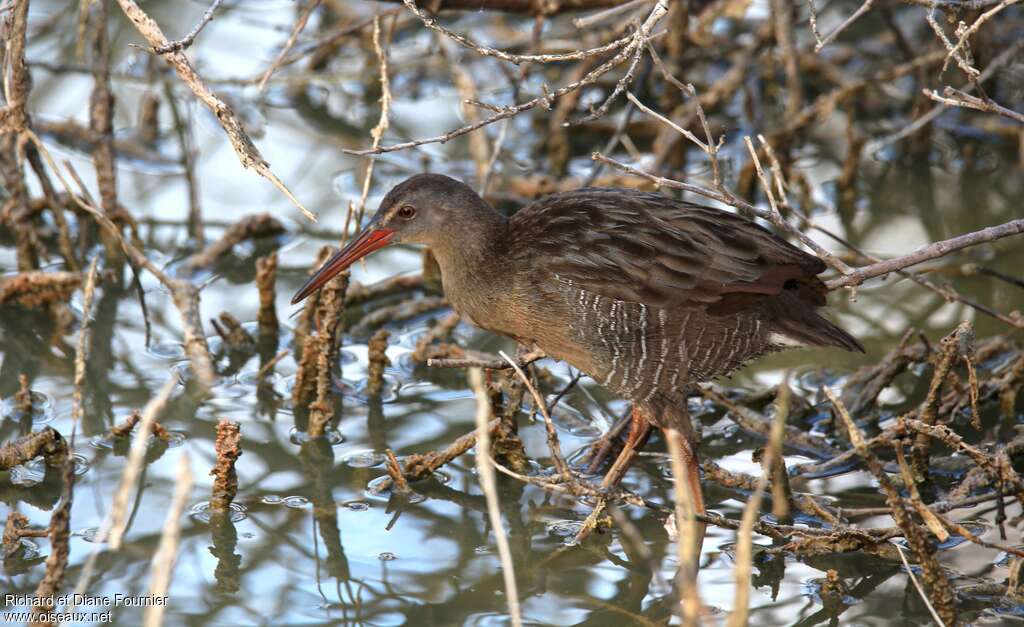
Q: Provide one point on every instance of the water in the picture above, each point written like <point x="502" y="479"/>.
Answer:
<point x="312" y="542"/>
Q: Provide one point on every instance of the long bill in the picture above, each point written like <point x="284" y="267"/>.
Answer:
<point x="368" y="241"/>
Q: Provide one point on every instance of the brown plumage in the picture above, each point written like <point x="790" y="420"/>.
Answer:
<point x="640" y="291"/>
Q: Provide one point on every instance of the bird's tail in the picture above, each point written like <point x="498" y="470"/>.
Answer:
<point x="802" y="324"/>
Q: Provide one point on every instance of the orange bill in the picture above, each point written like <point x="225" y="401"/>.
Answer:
<point x="368" y="241"/>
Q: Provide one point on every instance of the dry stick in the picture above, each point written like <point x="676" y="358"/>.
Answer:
<point x="957" y="98"/>
<point x="77" y="411"/>
<point x="928" y="412"/>
<point x="401" y="486"/>
<point x="187" y="40"/>
<point x="776" y="215"/>
<point x="931" y="520"/>
<point x="984" y="17"/>
<point x="419" y="466"/>
<point x="464" y="41"/>
<point x="485" y="466"/>
<point x="249" y="227"/>
<point x="247" y="152"/>
<point x="189" y="152"/>
<point x="961" y="60"/>
<point x="507" y="112"/>
<point x="553" y="444"/>
<point x="918" y="587"/>
<point x="101" y="123"/>
<point x="864" y="8"/>
<point x="185" y="295"/>
<point x="267" y="367"/>
<point x="114" y="523"/>
<point x="296" y="30"/>
<point x="57" y="562"/>
<point x="377" y="132"/>
<point x="530" y="7"/>
<point x="497" y="363"/>
<point x="588" y="21"/>
<point x="163" y="560"/>
<point x="112" y="529"/>
<point x="636" y="48"/>
<point x="1008" y="55"/>
<point x="689" y="536"/>
<point x="935" y="577"/>
<point x="745" y="539"/>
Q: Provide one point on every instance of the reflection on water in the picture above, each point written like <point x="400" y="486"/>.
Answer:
<point x="312" y="538"/>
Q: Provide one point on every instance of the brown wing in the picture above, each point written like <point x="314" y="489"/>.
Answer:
<point x="648" y="248"/>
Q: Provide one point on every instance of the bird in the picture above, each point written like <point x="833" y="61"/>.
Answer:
<point x="644" y="293"/>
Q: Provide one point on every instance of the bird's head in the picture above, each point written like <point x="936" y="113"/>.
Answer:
<point x="428" y="209"/>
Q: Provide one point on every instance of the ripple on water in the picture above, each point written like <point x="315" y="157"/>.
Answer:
<point x="171" y="351"/>
<point x="565" y="529"/>
<point x="89" y="534"/>
<point x="33" y="472"/>
<point x="375" y="490"/>
<point x="357" y="505"/>
<point x="388" y="390"/>
<point x="364" y="459"/>
<point x="297" y="437"/>
<point x="296" y="502"/>
<point x="574" y="422"/>
<point x="105" y="441"/>
<point x="42" y="408"/>
<point x="201" y="512"/>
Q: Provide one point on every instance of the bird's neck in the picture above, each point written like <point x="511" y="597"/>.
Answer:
<point x="470" y="263"/>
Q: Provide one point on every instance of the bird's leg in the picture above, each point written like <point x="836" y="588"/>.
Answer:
<point x="639" y="429"/>
<point x="602" y="447"/>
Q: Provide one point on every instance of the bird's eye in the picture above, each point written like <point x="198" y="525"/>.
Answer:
<point x="406" y="212"/>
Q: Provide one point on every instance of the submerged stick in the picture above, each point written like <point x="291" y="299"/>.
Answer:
<point x="163" y="560"/>
<point x="689" y="538"/>
<point x="378" y="358"/>
<point x="249" y="227"/>
<point x="745" y="536"/>
<point x="46" y="442"/>
<point x="485" y="467"/>
<point x="59" y="533"/>
<point x="225" y="482"/>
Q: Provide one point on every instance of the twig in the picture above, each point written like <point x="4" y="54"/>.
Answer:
<point x="864" y="8"/>
<point x="553" y="444"/>
<point x="249" y="227"/>
<point x="247" y="152"/>
<point x="689" y="538"/>
<point x="296" y="30"/>
<point x="377" y="132"/>
<point x="187" y="40"/>
<point x="114" y="527"/>
<point x="77" y="411"/>
<point x="744" y="537"/>
<point x="464" y="41"/>
<point x="918" y="587"/>
<point x="511" y="111"/>
<point x="485" y="466"/>
<point x="957" y="98"/>
<point x="497" y="363"/>
<point x="927" y="253"/>
<point x="162" y="566"/>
